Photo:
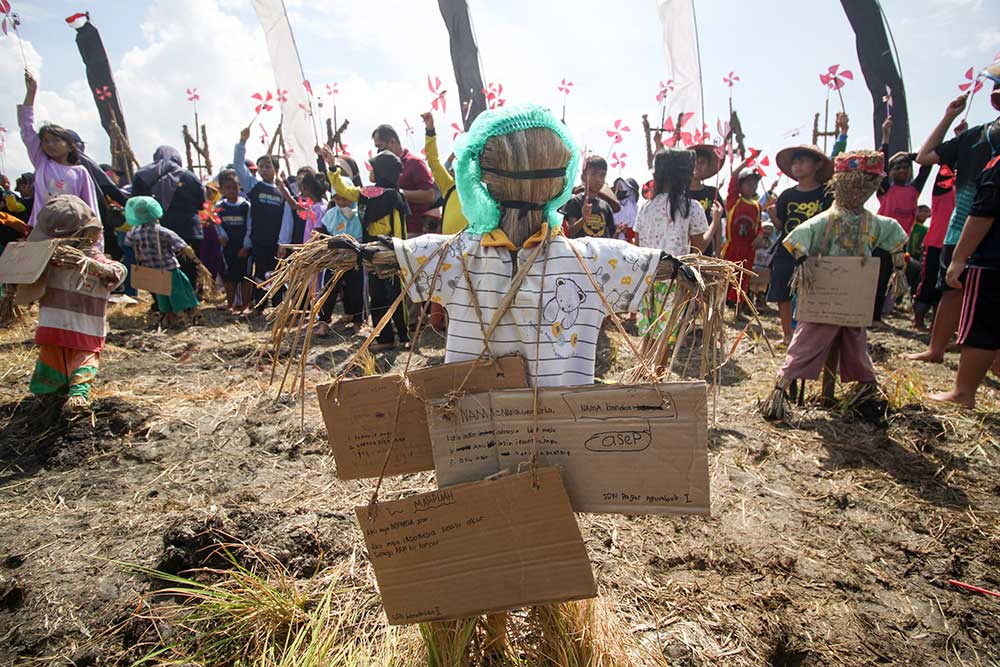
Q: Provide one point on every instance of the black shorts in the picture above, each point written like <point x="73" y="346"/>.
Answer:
<point x="979" y="326"/>
<point x="927" y="292"/>
<point x="946" y="252"/>
<point x="236" y="266"/>
<point x="782" y="268"/>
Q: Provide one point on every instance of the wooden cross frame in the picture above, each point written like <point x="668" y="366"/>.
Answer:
<point x="825" y="133"/>
<point x="204" y="162"/>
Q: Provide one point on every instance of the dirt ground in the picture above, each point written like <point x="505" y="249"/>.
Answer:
<point x="831" y="540"/>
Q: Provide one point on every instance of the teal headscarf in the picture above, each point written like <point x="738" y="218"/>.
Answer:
<point x="142" y="211"/>
<point x="482" y="212"/>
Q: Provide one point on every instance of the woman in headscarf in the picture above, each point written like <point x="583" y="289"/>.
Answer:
<point x="180" y="194"/>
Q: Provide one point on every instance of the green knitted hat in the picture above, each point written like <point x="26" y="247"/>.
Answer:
<point x="482" y="212"/>
<point x="142" y="210"/>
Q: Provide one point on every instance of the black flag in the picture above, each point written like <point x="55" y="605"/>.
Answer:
<point x="464" y="58"/>
<point x="880" y="69"/>
<point x="102" y="84"/>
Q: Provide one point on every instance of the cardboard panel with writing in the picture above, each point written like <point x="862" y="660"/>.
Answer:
<point x="151" y="280"/>
<point x="22" y="263"/>
<point x="359" y="415"/>
<point x="481" y="547"/>
<point x="627" y="449"/>
<point x="842" y="293"/>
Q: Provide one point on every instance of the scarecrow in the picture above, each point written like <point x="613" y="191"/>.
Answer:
<point x="511" y="280"/>
<point x="71" y="312"/>
<point x="846" y="229"/>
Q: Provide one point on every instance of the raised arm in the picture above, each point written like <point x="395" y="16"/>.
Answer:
<point x="928" y="151"/>
<point x="442" y="178"/>
<point x="26" y="121"/>
<point x="247" y="181"/>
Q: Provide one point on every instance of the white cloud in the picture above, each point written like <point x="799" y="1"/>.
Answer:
<point x="988" y="39"/>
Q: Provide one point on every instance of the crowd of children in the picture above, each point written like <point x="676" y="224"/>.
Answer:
<point x="250" y="217"/>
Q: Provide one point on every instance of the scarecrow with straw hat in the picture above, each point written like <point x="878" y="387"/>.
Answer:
<point x="71" y="312"/>
<point x="847" y="229"/>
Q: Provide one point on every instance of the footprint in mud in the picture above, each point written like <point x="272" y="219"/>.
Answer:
<point x="33" y="433"/>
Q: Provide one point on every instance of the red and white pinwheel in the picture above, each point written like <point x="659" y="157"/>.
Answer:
<point x="971" y="81"/>
<point x="493" y="92"/>
<point x="565" y="87"/>
<point x="664" y="90"/>
<point x="193" y="95"/>
<point x="306" y="211"/>
<point x="438" y="103"/>
<point x="10" y="19"/>
<point x="102" y="93"/>
<point x="702" y="136"/>
<point x="618" y="161"/>
<point x="755" y="164"/>
<point x="730" y="79"/>
<point x="723" y="128"/>
<point x="835" y="78"/>
<point x="616" y="131"/>
<point x="208" y="214"/>
<point x="281" y="96"/>
<point x="263" y="100"/>
<point x="458" y="130"/>
<point x="677" y="136"/>
<point x="332" y="90"/>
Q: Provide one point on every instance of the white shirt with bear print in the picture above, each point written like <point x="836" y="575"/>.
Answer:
<point x="572" y="311"/>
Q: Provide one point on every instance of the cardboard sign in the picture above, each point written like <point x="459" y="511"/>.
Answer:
<point x="151" y="280"/>
<point x="482" y="547"/>
<point x="360" y="413"/>
<point x="842" y="293"/>
<point x="627" y="449"/>
<point x="22" y="263"/>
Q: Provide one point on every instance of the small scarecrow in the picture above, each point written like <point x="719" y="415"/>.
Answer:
<point x="71" y="312"/>
<point x="846" y="229"/>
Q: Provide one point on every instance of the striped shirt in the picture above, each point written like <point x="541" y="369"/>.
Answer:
<point x="572" y="310"/>
<point x="71" y="312"/>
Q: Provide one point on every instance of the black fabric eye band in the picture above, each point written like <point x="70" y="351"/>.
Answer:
<point x="556" y="172"/>
<point x="522" y="205"/>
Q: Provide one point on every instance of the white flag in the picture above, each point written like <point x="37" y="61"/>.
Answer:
<point x="297" y="123"/>
<point x="680" y="46"/>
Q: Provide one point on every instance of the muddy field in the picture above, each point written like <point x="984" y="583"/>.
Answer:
<point x="831" y="540"/>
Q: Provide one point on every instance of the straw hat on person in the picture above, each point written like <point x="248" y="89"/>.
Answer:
<point x="786" y="155"/>
<point x="708" y="150"/>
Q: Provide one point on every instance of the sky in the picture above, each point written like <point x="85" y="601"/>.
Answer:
<point x="380" y="53"/>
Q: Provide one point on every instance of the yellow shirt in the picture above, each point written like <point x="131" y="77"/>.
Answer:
<point x="389" y="225"/>
<point x="453" y="220"/>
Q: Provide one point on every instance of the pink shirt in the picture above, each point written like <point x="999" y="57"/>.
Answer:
<point x="900" y="203"/>
<point x="942" y="207"/>
<point x="52" y="178"/>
